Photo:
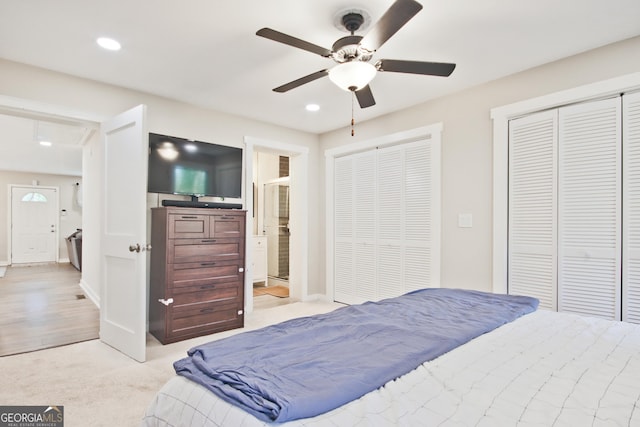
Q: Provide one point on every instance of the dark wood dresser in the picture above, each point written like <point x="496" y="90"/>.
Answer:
<point x="197" y="272"/>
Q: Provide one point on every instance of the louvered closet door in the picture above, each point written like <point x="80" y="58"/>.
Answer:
<point x="404" y="219"/>
<point x="419" y="267"/>
<point x="390" y="229"/>
<point x="533" y="208"/>
<point x="365" y="226"/>
<point x="589" y="211"/>
<point x="354" y="223"/>
<point x="344" y="272"/>
<point x="631" y="208"/>
<point x="383" y="222"/>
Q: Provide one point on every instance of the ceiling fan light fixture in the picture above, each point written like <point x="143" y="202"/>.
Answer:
<point x="352" y="76"/>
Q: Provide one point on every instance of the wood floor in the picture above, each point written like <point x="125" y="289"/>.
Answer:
<point x="43" y="306"/>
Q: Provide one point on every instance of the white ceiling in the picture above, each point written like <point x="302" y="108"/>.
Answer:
<point x="20" y="148"/>
<point x="205" y="52"/>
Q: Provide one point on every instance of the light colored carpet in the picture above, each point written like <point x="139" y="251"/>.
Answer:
<point x="99" y="386"/>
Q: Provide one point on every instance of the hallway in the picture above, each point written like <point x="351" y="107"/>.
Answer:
<point x="44" y="307"/>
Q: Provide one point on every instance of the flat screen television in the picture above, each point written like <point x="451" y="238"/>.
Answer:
<point x="193" y="168"/>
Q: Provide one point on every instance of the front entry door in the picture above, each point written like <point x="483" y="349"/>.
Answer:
<point x="124" y="229"/>
<point x="34" y="224"/>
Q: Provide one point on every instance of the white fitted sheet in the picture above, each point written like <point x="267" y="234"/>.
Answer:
<point x="542" y="369"/>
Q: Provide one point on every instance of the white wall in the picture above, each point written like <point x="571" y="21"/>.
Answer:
<point x="69" y="222"/>
<point x="466" y="143"/>
<point x="164" y="116"/>
<point x="467" y="148"/>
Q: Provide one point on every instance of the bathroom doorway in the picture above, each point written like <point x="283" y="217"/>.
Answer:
<point x="276" y="228"/>
<point x="272" y="207"/>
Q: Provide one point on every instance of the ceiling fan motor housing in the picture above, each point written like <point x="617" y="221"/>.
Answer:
<point x="348" y="49"/>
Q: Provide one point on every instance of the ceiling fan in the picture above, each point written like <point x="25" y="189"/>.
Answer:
<point x="353" y="53"/>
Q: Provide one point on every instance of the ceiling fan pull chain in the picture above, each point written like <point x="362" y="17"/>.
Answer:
<point x="353" y="122"/>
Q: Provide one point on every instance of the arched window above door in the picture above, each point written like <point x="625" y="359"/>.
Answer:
<point x="34" y="197"/>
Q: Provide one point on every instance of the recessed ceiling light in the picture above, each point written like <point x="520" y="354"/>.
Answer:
<point x="107" y="43"/>
<point x="191" y="148"/>
<point x="312" y="107"/>
<point x="45" y="143"/>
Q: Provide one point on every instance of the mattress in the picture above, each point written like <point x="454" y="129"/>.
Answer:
<point x="544" y="368"/>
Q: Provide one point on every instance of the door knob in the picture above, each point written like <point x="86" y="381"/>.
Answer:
<point x="138" y="248"/>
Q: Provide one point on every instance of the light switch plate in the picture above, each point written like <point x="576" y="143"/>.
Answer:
<point x="465" y="220"/>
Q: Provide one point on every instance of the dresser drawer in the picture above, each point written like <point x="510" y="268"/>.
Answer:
<point x="203" y="250"/>
<point x="190" y="274"/>
<point x="206" y="317"/>
<point x="226" y="226"/>
<point x="206" y="292"/>
<point x="190" y="226"/>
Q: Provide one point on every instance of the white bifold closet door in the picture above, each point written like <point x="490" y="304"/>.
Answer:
<point x="631" y="208"/>
<point x="590" y="209"/>
<point x="382" y="222"/>
<point x="565" y="208"/>
<point x="533" y="147"/>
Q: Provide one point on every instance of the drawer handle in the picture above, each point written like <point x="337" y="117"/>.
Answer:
<point x="226" y="217"/>
<point x="205" y="287"/>
<point x="166" y="302"/>
<point x="207" y="264"/>
<point x="207" y="310"/>
<point x="208" y="241"/>
<point x="189" y="217"/>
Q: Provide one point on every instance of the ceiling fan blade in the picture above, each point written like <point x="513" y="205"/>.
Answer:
<point x="274" y="35"/>
<point x="416" y="67"/>
<point x="365" y="97"/>
<point x="302" y="80"/>
<point x="393" y="19"/>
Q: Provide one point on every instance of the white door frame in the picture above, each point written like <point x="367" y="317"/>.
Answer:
<point x="501" y="116"/>
<point x="10" y="217"/>
<point x="299" y="223"/>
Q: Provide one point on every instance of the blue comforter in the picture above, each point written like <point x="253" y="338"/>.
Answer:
<point x="304" y="367"/>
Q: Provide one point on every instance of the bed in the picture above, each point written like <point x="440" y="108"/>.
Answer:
<point x="537" y="368"/>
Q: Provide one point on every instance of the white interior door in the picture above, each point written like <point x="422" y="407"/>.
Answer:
<point x="589" y="208"/>
<point x="123" y="257"/>
<point x="384" y="221"/>
<point x="631" y="208"/>
<point x="34" y="224"/>
<point x="533" y="210"/>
